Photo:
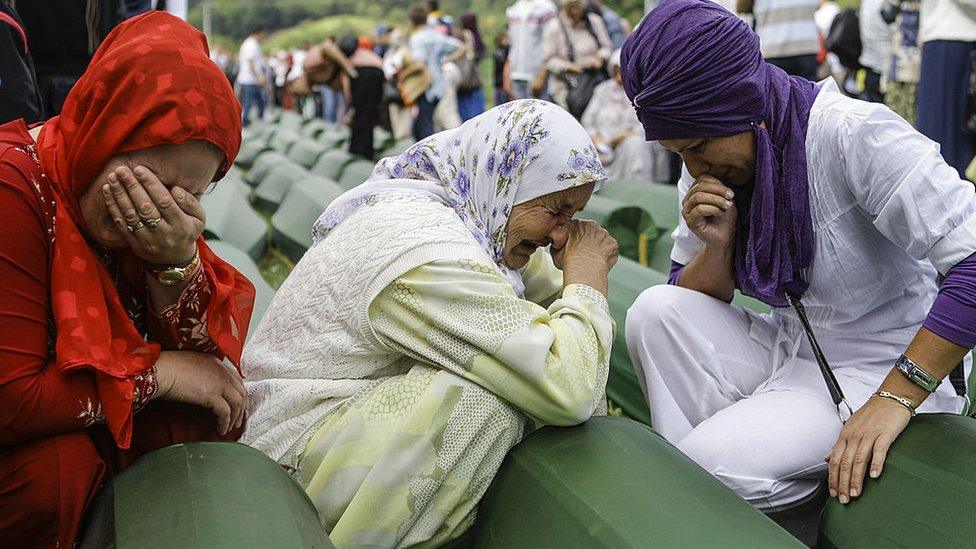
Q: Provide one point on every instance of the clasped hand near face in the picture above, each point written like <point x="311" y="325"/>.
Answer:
<point x="710" y="213"/>
<point x="159" y="224"/>
<point x="588" y="254"/>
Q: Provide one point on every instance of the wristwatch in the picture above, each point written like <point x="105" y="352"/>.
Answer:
<point x="172" y="276"/>
<point x="915" y="373"/>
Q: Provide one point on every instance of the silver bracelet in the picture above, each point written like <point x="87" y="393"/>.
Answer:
<point x="900" y="400"/>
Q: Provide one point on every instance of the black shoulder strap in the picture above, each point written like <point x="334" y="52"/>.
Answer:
<point x="569" y="43"/>
<point x="844" y="409"/>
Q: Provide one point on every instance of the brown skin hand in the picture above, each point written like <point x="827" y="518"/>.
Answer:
<point x="719" y="166"/>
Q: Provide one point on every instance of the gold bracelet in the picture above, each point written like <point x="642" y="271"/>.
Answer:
<point x="900" y="400"/>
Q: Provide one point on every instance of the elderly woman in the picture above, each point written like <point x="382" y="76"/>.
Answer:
<point x="618" y="134"/>
<point x="575" y="50"/>
<point x="835" y="212"/>
<point x="421" y="336"/>
<point x="115" y="316"/>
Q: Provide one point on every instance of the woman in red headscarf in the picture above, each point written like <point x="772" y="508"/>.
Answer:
<point x="114" y="315"/>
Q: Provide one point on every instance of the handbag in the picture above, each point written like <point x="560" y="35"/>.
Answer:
<point x="581" y="86"/>
<point x="470" y="76"/>
<point x="412" y="80"/>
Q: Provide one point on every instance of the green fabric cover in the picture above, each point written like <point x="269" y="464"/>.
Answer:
<point x="625" y="222"/>
<point x="657" y="198"/>
<point x="243" y="263"/>
<point x="306" y="152"/>
<point x="314" y="127"/>
<point x="614" y="483"/>
<point x="661" y="253"/>
<point x="926" y="496"/>
<point x="204" y="495"/>
<point x="397" y="148"/>
<point x="303" y="204"/>
<point x="382" y="138"/>
<point x="355" y="173"/>
<point x="250" y="150"/>
<point x="290" y="120"/>
<point x="263" y="165"/>
<point x="230" y="218"/>
<point x="335" y="136"/>
<point x="330" y="164"/>
<point x="283" y="139"/>
<point x="627" y="280"/>
<point x="269" y="194"/>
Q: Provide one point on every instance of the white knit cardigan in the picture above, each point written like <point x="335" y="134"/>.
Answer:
<point x="315" y="347"/>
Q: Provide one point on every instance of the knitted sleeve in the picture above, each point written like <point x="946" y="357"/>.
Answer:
<point x="462" y="316"/>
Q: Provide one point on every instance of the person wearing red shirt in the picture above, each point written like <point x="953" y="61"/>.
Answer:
<point x="115" y="317"/>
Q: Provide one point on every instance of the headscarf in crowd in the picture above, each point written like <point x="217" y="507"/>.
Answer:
<point x="694" y="70"/>
<point x="507" y="156"/>
<point x="151" y="82"/>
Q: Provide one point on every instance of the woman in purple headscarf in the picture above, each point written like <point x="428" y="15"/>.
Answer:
<point x="793" y="192"/>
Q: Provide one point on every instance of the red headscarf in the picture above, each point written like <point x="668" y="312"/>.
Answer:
<point x="151" y="82"/>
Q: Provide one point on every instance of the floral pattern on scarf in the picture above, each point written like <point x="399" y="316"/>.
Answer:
<point x="507" y="156"/>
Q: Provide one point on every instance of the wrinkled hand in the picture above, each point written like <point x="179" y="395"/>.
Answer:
<point x="709" y="212"/>
<point x="203" y="380"/>
<point x="588" y="243"/>
<point x="864" y="440"/>
<point x="139" y="199"/>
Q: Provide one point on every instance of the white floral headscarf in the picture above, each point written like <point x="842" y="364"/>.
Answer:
<point x="509" y="155"/>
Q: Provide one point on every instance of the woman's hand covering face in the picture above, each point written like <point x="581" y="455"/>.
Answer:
<point x="710" y="213"/>
<point x="160" y="224"/>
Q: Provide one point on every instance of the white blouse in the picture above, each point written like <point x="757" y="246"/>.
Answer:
<point x="887" y="213"/>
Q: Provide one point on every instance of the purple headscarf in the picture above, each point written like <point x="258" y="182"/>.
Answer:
<point x="693" y="70"/>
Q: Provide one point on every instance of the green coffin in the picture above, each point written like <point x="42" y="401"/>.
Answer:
<point x="204" y="495"/>
<point x="627" y="280"/>
<point x="614" y="483"/>
<point x="926" y="496"/>
<point x="632" y="226"/>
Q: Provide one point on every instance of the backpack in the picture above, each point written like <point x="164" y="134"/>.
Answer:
<point x="844" y="39"/>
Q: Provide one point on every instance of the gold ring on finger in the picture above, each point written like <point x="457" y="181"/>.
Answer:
<point x="152" y="223"/>
<point x="133" y="228"/>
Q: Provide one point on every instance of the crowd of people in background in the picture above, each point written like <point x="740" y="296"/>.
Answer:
<point x="426" y="76"/>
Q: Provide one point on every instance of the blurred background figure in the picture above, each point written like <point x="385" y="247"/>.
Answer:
<point x="251" y="77"/>
<point x="501" y="70"/>
<point x="19" y="96"/>
<point x="382" y="44"/>
<point x="526" y="19"/>
<point x="947" y="33"/>
<point x="471" y="95"/>
<point x="366" y="93"/>
<point x="617" y="27"/>
<point x="430" y="46"/>
<point x="904" y="60"/>
<point x="875" y="46"/>
<point x="787" y="33"/>
<point x="618" y="135"/>
<point x="575" y="47"/>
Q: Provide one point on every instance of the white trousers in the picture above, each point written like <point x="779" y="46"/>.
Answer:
<point x="741" y="394"/>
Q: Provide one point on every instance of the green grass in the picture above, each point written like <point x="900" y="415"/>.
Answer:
<point x="275" y="267"/>
<point x="317" y="30"/>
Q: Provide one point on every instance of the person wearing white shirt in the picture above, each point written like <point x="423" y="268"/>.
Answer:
<point x="251" y="75"/>
<point x="947" y="32"/>
<point x="875" y="49"/>
<point x="526" y="20"/>
<point x="837" y="214"/>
